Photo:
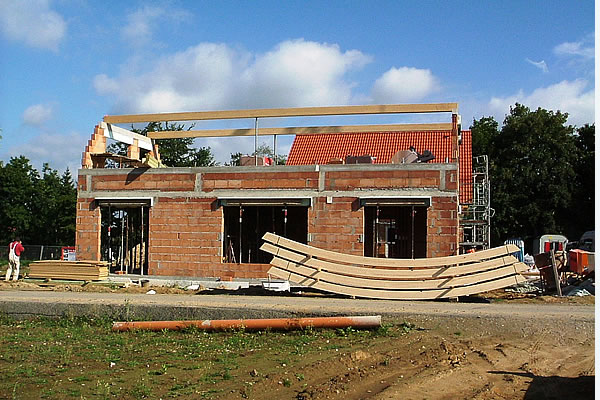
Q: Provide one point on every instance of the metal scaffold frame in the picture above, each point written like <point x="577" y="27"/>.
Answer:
<point x="475" y="217"/>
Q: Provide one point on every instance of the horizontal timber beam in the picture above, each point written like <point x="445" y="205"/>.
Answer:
<point x="285" y="112"/>
<point x="307" y="130"/>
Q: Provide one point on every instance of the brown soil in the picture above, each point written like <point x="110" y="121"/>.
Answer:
<point x="454" y="359"/>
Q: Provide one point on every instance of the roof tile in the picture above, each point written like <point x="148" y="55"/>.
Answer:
<point x="321" y="149"/>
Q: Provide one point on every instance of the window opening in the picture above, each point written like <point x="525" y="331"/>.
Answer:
<point x="244" y="227"/>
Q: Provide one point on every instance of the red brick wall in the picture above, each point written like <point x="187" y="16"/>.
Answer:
<point x="185" y="227"/>
<point x="87" y="225"/>
<point x="337" y="226"/>
<point x="262" y="180"/>
<point x="184" y="238"/>
<point x="175" y="182"/>
<point x="442" y="227"/>
<point x="393" y="179"/>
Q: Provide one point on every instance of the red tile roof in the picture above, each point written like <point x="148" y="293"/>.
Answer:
<point x="320" y="149"/>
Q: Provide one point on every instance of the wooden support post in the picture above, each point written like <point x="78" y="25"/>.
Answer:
<point x="555" y="272"/>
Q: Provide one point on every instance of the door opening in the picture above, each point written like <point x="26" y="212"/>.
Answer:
<point x="124" y="238"/>
<point x="395" y="231"/>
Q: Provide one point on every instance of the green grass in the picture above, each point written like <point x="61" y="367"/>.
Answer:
<point x="82" y="358"/>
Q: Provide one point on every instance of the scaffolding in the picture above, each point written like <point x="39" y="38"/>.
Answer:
<point x="475" y="216"/>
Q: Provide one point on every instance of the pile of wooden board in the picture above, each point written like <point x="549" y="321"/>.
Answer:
<point x="69" y="270"/>
<point x="388" y="278"/>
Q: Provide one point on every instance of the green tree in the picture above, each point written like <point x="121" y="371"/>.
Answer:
<point x="581" y="215"/>
<point x="177" y="152"/>
<point x="40" y="210"/>
<point x="17" y="193"/>
<point x="54" y="207"/>
<point x="532" y="171"/>
<point x="483" y="132"/>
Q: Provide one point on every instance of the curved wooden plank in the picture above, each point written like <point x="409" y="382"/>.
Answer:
<point x="397" y="285"/>
<point x="396" y="294"/>
<point x="402" y="273"/>
<point x="389" y="262"/>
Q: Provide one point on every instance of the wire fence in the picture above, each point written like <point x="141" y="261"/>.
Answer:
<point x="35" y="252"/>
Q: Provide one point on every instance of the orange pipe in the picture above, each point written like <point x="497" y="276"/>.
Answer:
<point x="254" y="324"/>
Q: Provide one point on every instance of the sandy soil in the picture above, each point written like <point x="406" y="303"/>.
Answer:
<point x="456" y="359"/>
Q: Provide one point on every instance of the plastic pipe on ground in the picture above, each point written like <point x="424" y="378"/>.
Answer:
<point x="255" y="324"/>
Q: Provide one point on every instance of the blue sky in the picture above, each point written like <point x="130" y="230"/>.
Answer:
<point x="67" y="63"/>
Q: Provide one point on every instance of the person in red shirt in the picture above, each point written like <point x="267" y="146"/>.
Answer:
<point x="14" y="259"/>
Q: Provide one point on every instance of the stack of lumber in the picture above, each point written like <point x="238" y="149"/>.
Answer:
<point x="69" y="270"/>
<point x="388" y="278"/>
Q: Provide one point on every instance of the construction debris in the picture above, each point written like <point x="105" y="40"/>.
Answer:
<point x="69" y="270"/>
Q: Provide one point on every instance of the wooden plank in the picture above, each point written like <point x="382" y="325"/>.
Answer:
<point x="389" y="262"/>
<point x="72" y="262"/>
<point x="389" y="273"/>
<point x="285" y="112"/>
<point x="306" y="130"/>
<point x="126" y="136"/>
<point x="72" y="271"/>
<point x="555" y="273"/>
<point x="396" y="284"/>
<point x="396" y="294"/>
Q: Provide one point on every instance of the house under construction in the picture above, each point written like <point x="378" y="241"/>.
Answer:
<point x="395" y="191"/>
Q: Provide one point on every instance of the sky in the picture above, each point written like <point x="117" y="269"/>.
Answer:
<point x="67" y="63"/>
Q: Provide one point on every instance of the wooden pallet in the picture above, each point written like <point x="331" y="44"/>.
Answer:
<point x="401" y="279"/>
<point x="69" y="270"/>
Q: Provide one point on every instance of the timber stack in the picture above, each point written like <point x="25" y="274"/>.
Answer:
<point x="390" y="278"/>
<point x="69" y="270"/>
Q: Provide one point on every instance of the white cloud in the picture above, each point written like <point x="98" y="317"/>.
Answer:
<point x="139" y="23"/>
<point x="583" y="48"/>
<point x="299" y="72"/>
<point x="32" y="22"/>
<point x="37" y="115"/>
<point x="58" y="150"/>
<point x="404" y="84"/>
<point x="572" y="97"/>
<point x="105" y="85"/>
<point x="539" y="64"/>
<point x="215" y="76"/>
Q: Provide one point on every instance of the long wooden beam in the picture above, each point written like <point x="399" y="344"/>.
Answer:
<point x="285" y="112"/>
<point x="404" y="273"/>
<point x="302" y="130"/>
<point x="396" y="294"/>
<point x="351" y="259"/>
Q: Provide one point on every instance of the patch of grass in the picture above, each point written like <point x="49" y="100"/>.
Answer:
<point x="140" y="391"/>
<point x="56" y="358"/>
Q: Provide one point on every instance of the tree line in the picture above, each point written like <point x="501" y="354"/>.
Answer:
<point x="38" y="207"/>
<point x="541" y="173"/>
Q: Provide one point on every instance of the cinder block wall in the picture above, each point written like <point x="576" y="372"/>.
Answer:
<point x="186" y="227"/>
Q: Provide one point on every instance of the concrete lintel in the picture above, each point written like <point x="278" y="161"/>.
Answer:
<point x="443" y="180"/>
<point x="270" y="193"/>
<point x="278" y="168"/>
<point x="198" y="183"/>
